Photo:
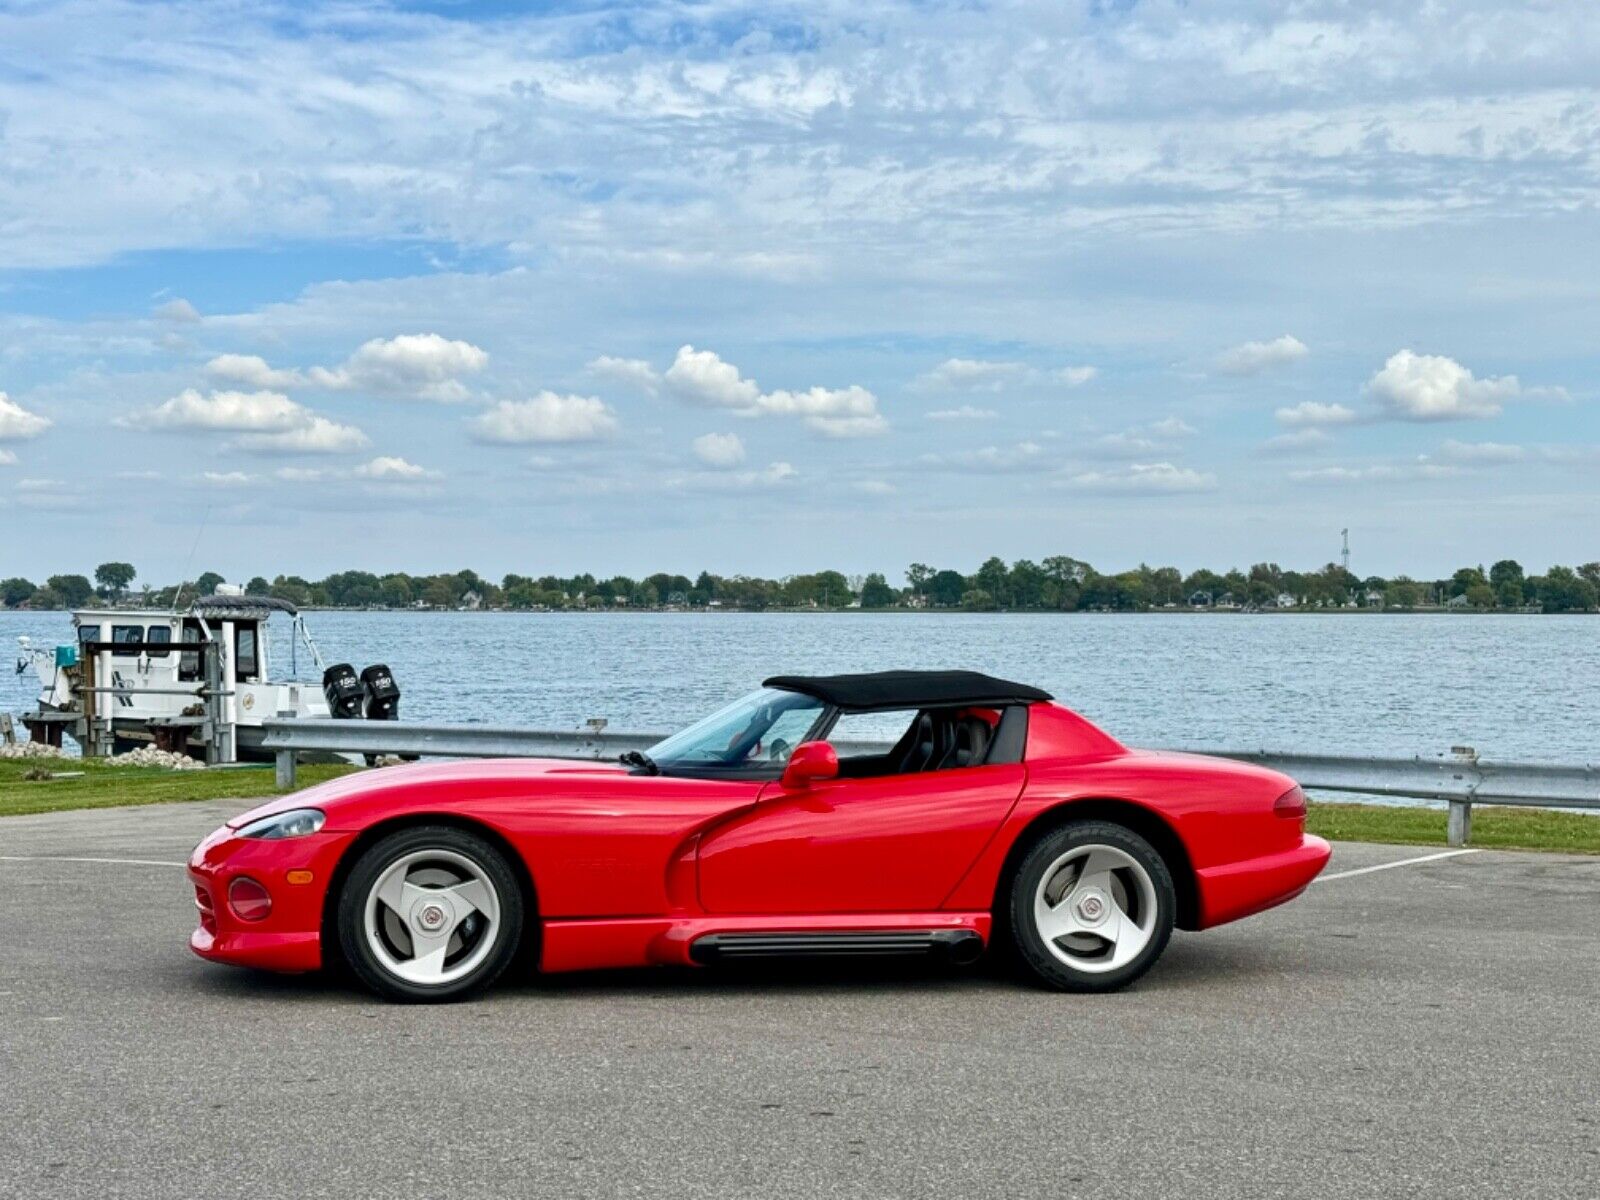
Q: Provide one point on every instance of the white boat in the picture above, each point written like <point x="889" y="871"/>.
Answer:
<point x="149" y="678"/>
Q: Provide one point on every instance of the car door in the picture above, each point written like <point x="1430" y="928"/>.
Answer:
<point x="895" y="843"/>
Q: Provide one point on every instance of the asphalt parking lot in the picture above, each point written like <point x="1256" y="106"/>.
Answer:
<point x="1430" y="1029"/>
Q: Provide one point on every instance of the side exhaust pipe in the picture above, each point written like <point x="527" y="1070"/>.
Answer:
<point x="961" y="948"/>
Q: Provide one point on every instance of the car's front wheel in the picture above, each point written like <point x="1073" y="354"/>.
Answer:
<point x="1092" y="907"/>
<point x="430" y="913"/>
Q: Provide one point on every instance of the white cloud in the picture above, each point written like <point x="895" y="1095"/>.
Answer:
<point x="17" y="423"/>
<point x="7" y="459"/>
<point x="969" y="375"/>
<point x="719" y="449"/>
<point x="1171" y="427"/>
<point x="1313" y="413"/>
<point x="391" y="469"/>
<point x="965" y="413"/>
<point x="1076" y="376"/>
<point x="546" y="417"/>
<point x="1143" y="441"/>
<point x="179" y="311"/>
<point x="833" y="412"/>
<point x="773" y="475"/>
<point x="1252" y="358"/>
<point x="317" y="435"/>
<point x="701" y="377"/>
<point x="1420" y="469"/>
<point x="1162" y="478"/>
<point x="227" y="479"/>
<point x="419" y="366"/>
<point x="848" y="427"/>
<point x="300" y="474"/>
<point x="1298" y="441"/>
<point x="422" y="366"/>
<point x="775" y="155"/>
<point x="252" y="371"/>
<point x="234" y="412"/>
<point x="270" y="422"/>
<point x="997" y="460"/>
<point x="50" y="495"/>
<point x="875" y="487"/>
<point x="1124" y="445"/>
<point x="634" y="372"/>
<point x="1431" y="387"/>
<point x="1483" y="454"/>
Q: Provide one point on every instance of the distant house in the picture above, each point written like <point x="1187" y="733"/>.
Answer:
<point x="1200" y="600"/>
<point x="1457" y="602"/>
<point x="1373" y="598"/>
<point x="1285" y="600"/>
<point x="1226" y="600"/>
<point x="471" y="601"/>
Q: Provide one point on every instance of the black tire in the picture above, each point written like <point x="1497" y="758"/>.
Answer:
<point x="351" y="914"/>
<point x="1032" y="951"/>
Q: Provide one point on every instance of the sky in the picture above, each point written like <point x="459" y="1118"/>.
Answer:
<point x="769" y="288"/>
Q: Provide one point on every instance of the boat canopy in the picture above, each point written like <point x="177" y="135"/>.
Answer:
<point x="258" y="606"/>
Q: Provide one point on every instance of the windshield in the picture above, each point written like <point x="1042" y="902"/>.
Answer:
<point x="755" y="734"/>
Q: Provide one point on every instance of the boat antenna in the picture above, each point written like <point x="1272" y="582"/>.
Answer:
<point x="189" y="562"/>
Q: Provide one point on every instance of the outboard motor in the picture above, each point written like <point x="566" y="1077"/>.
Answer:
<point x="344" y="691"/>
<point x="383" y="694"/>
<point x="383" y="699"/>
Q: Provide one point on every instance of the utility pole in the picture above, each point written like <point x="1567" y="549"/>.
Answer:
<point x="1344" y="555"/>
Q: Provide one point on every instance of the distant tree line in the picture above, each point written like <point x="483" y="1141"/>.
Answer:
<point x="1056" y="584"/>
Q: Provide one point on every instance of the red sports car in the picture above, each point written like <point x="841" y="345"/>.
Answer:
<point x="996" y="818"/>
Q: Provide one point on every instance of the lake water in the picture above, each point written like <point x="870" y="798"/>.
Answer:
<point x="1512" y="686"/>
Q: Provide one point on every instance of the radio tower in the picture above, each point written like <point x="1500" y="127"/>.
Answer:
<point x="1344" y="555"/>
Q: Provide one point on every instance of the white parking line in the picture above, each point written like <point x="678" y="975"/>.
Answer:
<point x="132" y="862"/>
<point x="1404" y="862"/>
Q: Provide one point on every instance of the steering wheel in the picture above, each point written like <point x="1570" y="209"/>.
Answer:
<point x="780" y="751"/>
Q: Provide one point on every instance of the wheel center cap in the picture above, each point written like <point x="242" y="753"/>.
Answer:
<point x="431" y="917"/>
<point x="1092" y="907"/>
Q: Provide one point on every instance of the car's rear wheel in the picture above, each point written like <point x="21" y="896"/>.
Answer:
<point x="1092" y="907"/>
<point x="430" y="913"/>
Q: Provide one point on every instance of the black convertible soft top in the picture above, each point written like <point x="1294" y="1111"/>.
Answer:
<point x="908" y="689"/>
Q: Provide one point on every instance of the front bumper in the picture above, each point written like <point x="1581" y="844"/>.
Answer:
<point x="1242" y="889"/>
<point x="289" y="938"/>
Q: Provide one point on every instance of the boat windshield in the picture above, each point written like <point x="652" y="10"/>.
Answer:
<point x="753" y="735"/>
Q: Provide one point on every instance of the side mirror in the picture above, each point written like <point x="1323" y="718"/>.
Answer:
<point x="811" y="762"/>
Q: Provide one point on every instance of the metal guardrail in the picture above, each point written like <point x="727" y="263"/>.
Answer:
<point x="1459" y="778"/>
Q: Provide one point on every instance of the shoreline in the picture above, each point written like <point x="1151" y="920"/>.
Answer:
<point x="898" y="611"/>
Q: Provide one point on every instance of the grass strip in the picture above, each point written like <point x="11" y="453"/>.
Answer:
<point x="102" y="786"/>
<point x="1498" y="828"/>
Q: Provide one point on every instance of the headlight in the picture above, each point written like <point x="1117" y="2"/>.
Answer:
<point x="297" y="822"/>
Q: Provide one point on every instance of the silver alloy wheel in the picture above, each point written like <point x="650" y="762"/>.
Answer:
<point x="432" y="917"/>
<point x="1095" y="908"/>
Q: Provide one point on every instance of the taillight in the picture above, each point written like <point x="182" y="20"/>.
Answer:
<point x="1291" y="804"/>
<point x="248" y="899"/>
